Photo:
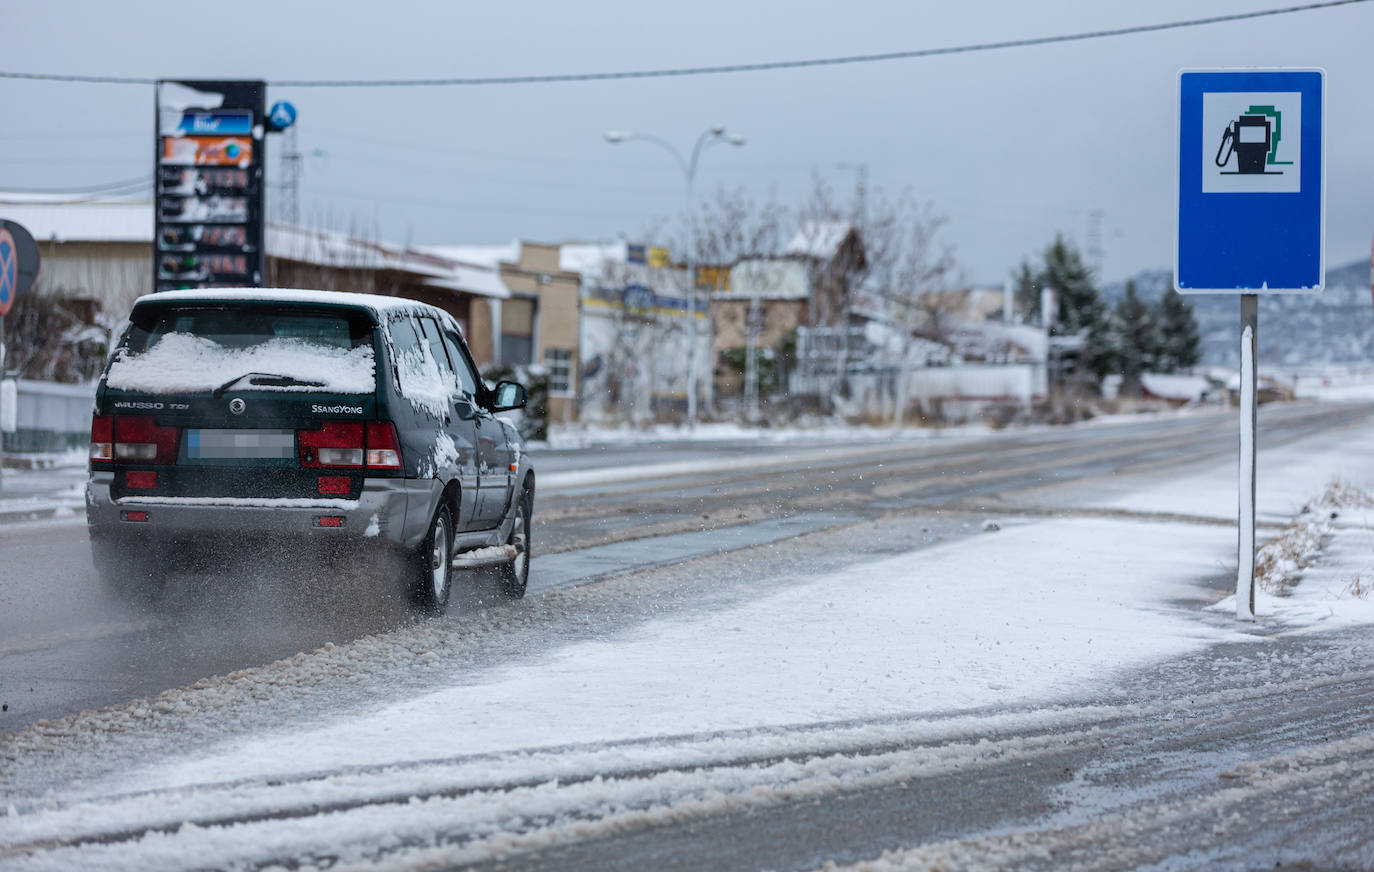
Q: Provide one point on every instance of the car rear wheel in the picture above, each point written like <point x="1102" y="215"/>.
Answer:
<point x="433" y="571"/>
<point x="515" y="576"/>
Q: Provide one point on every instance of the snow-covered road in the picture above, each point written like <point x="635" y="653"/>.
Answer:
<point x="939" y="645"/>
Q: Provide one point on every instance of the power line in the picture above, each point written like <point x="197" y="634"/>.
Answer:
<point x="724" y="68"/>
<point x="126" y="186"/>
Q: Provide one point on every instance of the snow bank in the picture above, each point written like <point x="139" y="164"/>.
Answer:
<point x="1318" y="574"/>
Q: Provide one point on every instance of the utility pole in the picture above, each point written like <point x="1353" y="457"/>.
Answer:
<point x="291" y="164"/>
<point x="1094" y="242"/>
<point x="860" y="191"/>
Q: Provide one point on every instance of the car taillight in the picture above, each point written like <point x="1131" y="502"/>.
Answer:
<point x="336" y="443"/>
<point x="102" y="438"/>
<point x="383" y="448"/>
<point x="140" y="439"/>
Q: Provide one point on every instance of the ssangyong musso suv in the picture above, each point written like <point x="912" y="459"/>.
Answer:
<point x="305" y="417"/>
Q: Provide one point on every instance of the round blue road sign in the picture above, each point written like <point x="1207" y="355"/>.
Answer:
<point x="282" y="115"/>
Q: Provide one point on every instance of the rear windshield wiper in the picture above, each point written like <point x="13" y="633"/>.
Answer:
<point x="269" y="379"/>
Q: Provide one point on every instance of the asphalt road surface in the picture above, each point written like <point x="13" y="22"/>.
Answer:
<point x="66" y="646"/>
<point x="1242" y="757"/>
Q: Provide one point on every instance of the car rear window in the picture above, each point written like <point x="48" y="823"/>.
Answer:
<point x="195" y="348"/>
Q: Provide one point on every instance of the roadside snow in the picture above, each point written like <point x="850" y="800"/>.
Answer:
<point x="584" y="435"/>
<point x="1287" y="477"/>
<point x="1037" y="611"/>
<point x="1318" y="574"/>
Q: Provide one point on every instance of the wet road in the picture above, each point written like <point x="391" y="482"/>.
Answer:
<point x="65" y="646"/>
<point x="1271" y="769"/>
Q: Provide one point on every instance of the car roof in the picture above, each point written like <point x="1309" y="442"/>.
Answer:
<point x="378" y="304"/>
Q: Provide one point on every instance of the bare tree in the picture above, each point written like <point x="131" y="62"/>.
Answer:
<point x="879" y="254"/>
<point x="636" y="332"/>
<point x="723" y="230"/>
<point x="53" y="338"/>
<point x="923" y="268"/>
<point x="731" y="225"/>
<point x="898" y="266"/>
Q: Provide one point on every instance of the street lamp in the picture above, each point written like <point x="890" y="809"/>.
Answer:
<point x="689" y="171"/>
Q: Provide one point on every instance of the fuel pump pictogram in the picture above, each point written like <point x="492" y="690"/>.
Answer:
<point x="1254" y="139"/>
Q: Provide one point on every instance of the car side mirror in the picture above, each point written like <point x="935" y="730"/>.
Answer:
<point x="509" y="395"/>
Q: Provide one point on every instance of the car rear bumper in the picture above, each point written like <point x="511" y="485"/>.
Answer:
<point x="377" y="515"/>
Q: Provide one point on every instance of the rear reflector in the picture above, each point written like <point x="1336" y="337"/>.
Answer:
<point x="134" y="516"/>
<point x="140" y="480"/>
<point x="329" y="521"/>
<point x="335" y="484"/>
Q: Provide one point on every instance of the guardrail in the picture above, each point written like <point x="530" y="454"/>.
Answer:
<point x="50" y="417"/>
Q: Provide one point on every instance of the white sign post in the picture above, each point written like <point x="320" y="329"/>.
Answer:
<point x="1251" y="221"/>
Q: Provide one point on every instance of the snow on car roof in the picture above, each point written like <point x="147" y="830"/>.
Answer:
<point x="376" y="303"/>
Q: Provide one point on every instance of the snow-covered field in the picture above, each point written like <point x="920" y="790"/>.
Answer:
<point x="903" y="649"/>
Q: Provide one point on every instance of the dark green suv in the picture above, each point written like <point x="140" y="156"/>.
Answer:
<point x="325" y="418"/>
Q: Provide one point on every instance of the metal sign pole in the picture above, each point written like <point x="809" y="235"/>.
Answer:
<point x="2" y="377"/>
<point x="1249" y="418"/>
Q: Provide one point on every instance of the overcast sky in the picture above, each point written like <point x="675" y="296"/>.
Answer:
<point x="1012" y="145"/>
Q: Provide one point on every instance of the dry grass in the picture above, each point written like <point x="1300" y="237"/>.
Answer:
<point x="1279" y="563"/>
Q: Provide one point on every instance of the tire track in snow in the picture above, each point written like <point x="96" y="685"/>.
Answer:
<point x="748" y="769"/>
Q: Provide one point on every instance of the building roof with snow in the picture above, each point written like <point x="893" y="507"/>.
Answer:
<point x="76" y="218"/>
<point x="819" y="239"/>
<point x="333" y="249"/>
<point x="491" y="256"/>
<point x="590" y="258"/>
<point x="65" y="218"/>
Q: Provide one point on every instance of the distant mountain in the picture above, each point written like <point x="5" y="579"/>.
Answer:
<point x="1335" y="326"/>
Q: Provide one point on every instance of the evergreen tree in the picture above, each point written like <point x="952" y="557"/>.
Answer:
<point x="1080" y="305"/>
<point x="1027" y="292"/>
<point x="1176" y="341"/>
<point x="1135" y="335"/>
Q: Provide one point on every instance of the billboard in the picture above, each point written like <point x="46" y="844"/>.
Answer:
<point x="209" y="176"/>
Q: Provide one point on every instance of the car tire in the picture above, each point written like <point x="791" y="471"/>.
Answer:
<point x="514" y="577"/>
<point x="433" y="565"/>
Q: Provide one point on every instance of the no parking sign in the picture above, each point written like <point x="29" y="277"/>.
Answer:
<point x="18" y="263"/>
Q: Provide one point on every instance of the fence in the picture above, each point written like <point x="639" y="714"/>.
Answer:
<point x="51" y="417"/>
<point x="848" y="372"/>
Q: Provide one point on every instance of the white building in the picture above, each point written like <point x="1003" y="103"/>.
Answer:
<point x="634" y="333"/>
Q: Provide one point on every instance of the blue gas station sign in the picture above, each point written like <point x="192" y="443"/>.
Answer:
<point x="1251" y="181"/>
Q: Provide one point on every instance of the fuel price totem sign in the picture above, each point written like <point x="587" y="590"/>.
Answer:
<point x="209" y="223"/>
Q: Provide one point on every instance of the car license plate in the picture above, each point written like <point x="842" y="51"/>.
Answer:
<point x="240" y="444"/>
